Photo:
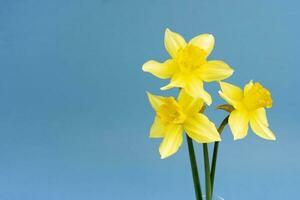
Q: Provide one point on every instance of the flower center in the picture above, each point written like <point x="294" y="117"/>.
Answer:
<point x="258" y="97"/>
<point x="190" y="58"/>
<point x="171" y="112"/>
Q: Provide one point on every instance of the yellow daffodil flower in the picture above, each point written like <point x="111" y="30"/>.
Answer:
<point x="249" y="106"/>
<point x="173" y="117"/>
<point x="188" y="66"/>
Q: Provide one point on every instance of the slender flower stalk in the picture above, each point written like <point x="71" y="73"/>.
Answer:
<point x="194" y="168"/>
<point x="207" y="172"/>
<point x="215" y="154"/>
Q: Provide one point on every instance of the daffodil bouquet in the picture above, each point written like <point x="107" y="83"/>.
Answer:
<point x="188" y="69"/>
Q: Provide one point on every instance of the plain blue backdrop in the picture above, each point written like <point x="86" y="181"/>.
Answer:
<point x="74" y="117"/>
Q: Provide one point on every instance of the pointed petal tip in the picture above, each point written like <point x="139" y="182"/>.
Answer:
<point x="217" y="139"/>
<point x="168" y="31"/>
<point x="163" y="88"/>
<point x="270" y="138"/>
<point x="217" y="135"/>
<point x="167" y="87"/>
<point x="211" y="36"/>
<point x="209" y="102"/>
<point x="164" y="156"/>
<point x="206" y="100"/>
<point x="145" y="66"/>
<point x="273" y="138"/>
<point x="236" y="138"/>
<point x="148" y="94"/>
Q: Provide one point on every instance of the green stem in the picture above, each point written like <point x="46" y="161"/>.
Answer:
<point x="207" y="172"/>
<point x="215" y="154"/>
<point x="194" y="168"/>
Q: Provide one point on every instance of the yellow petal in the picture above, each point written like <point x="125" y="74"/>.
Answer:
<point x="261" y="116"/>
<point x="201" y="129"/>
<point x="195" y="88"/>
<point x="247" y="87"/>
<point x="160" y="70"/>
<point x="204" y="41"/>
<point x="260" y="128"/>
<point x="176" y="81"/>
<point x="157" y="129"/>
<point x="173" y="42"/>
<point x="172" y="141"/>
<point x="231" y="93"/>
<point x="215" y="70"/>
<point x="238" y="123"/>
<point x="189" y="104"/>
<point x="155" y="101"/>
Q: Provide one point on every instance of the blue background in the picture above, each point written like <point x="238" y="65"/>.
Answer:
<point x="74" y="117"/>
